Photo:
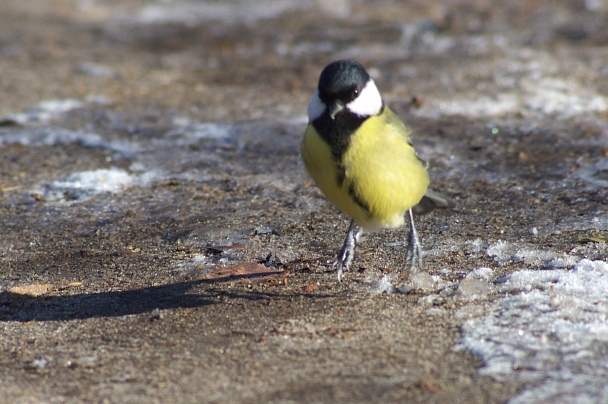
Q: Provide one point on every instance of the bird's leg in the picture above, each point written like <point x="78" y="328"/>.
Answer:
<point x="348" y="249"/>
<point x="414" y="250"/>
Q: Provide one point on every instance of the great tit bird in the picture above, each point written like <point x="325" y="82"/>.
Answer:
<point x="361" y="157"/>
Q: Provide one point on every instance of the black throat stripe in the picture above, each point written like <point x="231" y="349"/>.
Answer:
<point x="337" y="132"/>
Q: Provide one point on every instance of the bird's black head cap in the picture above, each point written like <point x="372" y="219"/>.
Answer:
<point x="342" y="80"/>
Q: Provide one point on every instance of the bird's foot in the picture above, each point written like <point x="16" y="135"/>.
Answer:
<point x="345" y="256"/>
<point x="414" y="248"/>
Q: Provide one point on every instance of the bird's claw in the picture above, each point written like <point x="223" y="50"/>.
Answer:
<point x="345" y="256"/>
<point x="344" y="259"/>
<point x="414" y="249"/>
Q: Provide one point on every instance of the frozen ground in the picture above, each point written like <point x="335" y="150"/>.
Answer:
<point x="160" y="240"/>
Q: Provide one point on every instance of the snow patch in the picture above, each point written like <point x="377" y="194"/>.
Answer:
<point x="537" y="92"/>
<point x="81" y="186"/>
<point x="48" y="110"/>
<point x="554" y="334"/>
<point x="193" y="12"/>
<point x="504" y="252"/>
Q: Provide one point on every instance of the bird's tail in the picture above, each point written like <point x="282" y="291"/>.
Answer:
<point x="432" y="200"/>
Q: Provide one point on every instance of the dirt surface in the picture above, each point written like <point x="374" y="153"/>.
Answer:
<point x="208" y="278"/>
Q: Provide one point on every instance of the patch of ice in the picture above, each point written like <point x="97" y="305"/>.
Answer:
<point x="596" y="5"/>
<point x="596" y="175"/>
<point x="49" y="137"/>
<point x="473" y="289"/>
<point x="96" y="70"/>
<point x="47" y="110"/>
<point x="56" y="136"/>
<point x="193" y="12"/>
<point x="83" y="185"/>
<point x="554" y="334"/>
<point x="475" y="247"/>
<point x="189" y="133"/>
<point x="538" y="91"/>
<point x="425" y="282"/>
<point x="505" y="252"/>
<point x="50" y="109"/>
<point x="545" y="96"/>
<point x="196" y="262"/>
<point x="40" y="363"/>
<point x="565" y="96"/>
<point x="382" y="285"/>
<point x="476" y="284"/>
<point x="483" y="274"/>
<point x="497" y="105"/>
<point x="526" y="280"/>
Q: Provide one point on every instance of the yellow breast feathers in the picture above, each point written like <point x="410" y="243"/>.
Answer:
<point x="379" y="176"/>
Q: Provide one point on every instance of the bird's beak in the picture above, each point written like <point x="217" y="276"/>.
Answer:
<point x="334" y="108"/>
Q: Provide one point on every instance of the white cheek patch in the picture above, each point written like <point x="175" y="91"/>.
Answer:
<point x="316" y="107"/>
<point x="369" y="101"/>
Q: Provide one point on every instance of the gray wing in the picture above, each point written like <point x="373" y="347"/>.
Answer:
<point x="432" y="200"/>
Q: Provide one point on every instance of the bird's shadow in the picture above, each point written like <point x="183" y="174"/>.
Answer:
<point x="186" y="294"/>
<point x="15" y="307"/>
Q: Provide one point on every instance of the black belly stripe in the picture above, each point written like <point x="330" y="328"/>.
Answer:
<point x="358" y="201"/>
<point x="340" y="177"/>
<point x="337" y="133"/>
